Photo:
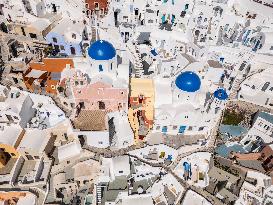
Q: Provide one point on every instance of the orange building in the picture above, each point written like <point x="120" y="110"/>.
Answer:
<point x="261" y="161"/>
<point x="7" y="153"/>
<point x="141" y="110"/>
<point x="46" y="76"/>
<point x="96" y="6"/>
<point x="12" y="197"/>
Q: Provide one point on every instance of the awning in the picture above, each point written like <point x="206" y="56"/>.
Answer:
<point x="35" y="74"/>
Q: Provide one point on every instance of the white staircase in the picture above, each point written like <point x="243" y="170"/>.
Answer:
<point x="135" y="58"/>
<point x="235" y="87"/>
<point x="94" y="35"/>
<point x="98" y="191"/>
<point x="4" y="49"/>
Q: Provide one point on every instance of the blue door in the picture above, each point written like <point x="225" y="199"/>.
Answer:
<point x="163" y="18"/>
<point x="100" y="68"/>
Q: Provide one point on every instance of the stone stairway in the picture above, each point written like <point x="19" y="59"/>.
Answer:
<point x="8" y="36"/>
<point x="98" y="191"/>
<point x="238" y="81"/>
<point x="6" y="83"/>
<point x="94" y="34"/>
<point x="4" y="48"/>
<point x="28" y="7"/>
<point x="235" y="87"/>
<point x="136" y="60"/>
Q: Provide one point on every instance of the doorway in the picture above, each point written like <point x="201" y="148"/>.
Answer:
<point x="73" y="51"/>
<point x="116" y="17"/>
<point x="101" y="105"/>
<point x="23" y="31"/>
<point x="54" y="8"/>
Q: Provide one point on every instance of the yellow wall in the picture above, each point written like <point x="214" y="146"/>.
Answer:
<point x="143" y="87"/>
<point x="7" y="150"/>
<point x="27" y="29"/>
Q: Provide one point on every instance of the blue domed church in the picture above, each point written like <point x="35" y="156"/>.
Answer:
<point x="188" y="82"/>
<point x="102" y="56"/>
<point x="186" y="87"/>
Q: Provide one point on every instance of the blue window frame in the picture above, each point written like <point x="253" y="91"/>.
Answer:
<point x="182" y="129"/>
<point x="164" y="129"/>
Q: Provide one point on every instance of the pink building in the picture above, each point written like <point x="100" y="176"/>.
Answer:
<point x="100" y="96"/>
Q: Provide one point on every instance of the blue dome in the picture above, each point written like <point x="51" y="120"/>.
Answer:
<point x="188" y="81"/>
<point x="221" y="94"/>
<point x="101" y="50"/>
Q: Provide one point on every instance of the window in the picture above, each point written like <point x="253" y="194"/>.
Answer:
<point x="74" y="35"/>
<point x="174" y="127"/>
<point x="265" y="86"/>
<point x="100" y="68"/>
<point x="164" y="129"/>
<point x="15" y="80"/>
<point x="246" y="142"/>
<point x="101" y="105"/>
<point x="100" y="142"/>
<point x="54" y="40"/>
<point x="54" y="8"/>
<point x="32" y="35"/>
<point x="182" y="129"/>
<point x="266" y="127"/>
<point x="23" y="31"/>
<point x="62" y="48"/>
<point x="96" y="5"/>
